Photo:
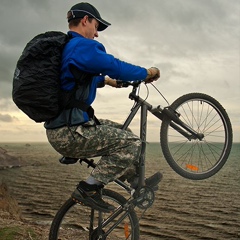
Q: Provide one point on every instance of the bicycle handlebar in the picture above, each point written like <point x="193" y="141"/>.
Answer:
<point x="130" y="83"/>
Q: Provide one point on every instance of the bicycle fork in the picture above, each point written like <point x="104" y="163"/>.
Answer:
<point x="176" y="123"/>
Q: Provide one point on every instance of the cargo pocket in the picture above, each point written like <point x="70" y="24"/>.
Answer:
<point x="86" y="132"/>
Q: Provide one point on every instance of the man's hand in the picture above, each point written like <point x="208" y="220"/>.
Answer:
<point x="111" y="82"/>
<point x="153" y="75"/>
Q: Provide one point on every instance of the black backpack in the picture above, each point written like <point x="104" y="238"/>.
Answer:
<point x="36" y="84"/>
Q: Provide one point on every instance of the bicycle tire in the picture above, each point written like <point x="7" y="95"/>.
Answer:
<point x="195" y="159"/>
<point x="72" y="221"/>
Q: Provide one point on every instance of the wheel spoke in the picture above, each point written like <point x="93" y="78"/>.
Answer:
<point x="194" y="158"/>
<point x="75" y="221"/>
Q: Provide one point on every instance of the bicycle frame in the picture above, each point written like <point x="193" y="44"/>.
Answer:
<point x="160" y="114"/>
<point x="143" y="196"/>
<point x="145" y="107"/>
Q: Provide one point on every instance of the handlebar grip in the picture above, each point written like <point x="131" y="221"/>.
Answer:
<point x="125" y="84"/>
<point x="121" y="83"/>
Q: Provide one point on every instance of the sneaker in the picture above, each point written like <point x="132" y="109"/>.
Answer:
<point x="89" y="195"/>
<point x="151" y="181"/>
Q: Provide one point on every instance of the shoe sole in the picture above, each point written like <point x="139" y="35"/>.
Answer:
<point x="88" y="201"/>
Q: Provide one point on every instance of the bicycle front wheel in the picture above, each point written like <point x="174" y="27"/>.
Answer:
<point x="197" y="159"/>
<point x="77" y="222"/>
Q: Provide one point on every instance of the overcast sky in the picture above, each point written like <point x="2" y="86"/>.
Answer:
<point x="195" y="44"/>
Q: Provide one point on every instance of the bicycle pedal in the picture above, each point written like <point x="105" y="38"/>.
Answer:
<point x="77" y="201"/>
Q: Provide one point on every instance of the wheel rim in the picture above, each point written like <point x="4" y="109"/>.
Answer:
<point x="76" y="223"/>
<point x="199" y="157"/>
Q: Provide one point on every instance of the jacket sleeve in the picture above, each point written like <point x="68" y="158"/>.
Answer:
<point x="97" y="61"/>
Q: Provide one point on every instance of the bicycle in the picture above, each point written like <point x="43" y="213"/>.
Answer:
<point x="196" y="140"/>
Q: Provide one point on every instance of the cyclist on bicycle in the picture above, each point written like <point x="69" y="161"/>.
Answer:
<point x="73" y="133"/>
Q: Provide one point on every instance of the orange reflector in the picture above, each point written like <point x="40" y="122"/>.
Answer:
<point x="126" y="230"/>
<point x="191" y="167"/>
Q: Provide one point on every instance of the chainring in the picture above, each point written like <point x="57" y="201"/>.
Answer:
<point x="145" y="197"/>
<point x="95" y="235"/>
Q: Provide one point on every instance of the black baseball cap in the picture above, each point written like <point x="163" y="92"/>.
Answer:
<point x="82" y="9"/>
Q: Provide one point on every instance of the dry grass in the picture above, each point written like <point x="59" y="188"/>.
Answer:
<point x="12" y="227"/>
<point x="18" y="230"/>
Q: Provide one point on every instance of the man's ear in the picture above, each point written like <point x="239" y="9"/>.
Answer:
<point x="84" y="20"/>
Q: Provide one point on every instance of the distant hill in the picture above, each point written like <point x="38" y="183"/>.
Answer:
<point x="8" y="161"/>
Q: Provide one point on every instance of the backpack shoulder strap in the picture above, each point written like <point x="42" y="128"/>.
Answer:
<point x="80" y="80"/>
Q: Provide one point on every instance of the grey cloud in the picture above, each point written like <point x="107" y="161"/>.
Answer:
<point x="170" y="72"/>
<point x="7" y="118"/>
<point x="189" y="40"/>
<point x="182" y="27"/>
<point x="6" y="103"/>
<point x="6" y="90"/>
<point x="23" y="19"/>
<point x="165" y="31"/>
<point x="38" y="5"/>
<point x="8" y="62"/>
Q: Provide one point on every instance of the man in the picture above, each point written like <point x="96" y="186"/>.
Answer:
<point x="74" y="133"/>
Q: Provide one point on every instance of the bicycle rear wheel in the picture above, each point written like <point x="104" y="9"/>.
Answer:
<point x="77" y="222"/>
<point x="197" y="159"/>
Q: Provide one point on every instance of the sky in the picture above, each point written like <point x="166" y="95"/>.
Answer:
<point x="194" y="43"/>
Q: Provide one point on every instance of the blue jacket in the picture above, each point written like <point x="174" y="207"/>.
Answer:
<point x="89" y="56"/>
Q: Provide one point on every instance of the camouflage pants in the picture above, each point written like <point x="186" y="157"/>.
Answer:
<point x="119" y="149"/>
